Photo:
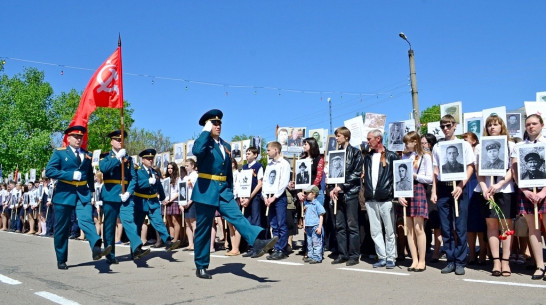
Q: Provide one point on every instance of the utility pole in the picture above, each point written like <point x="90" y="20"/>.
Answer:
<point x="330" y="105"/>
<point x="413" y="79"/>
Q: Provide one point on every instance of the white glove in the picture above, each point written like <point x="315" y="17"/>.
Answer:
<point x="151" y="180"/>
<point x="208" y="126"/>
<point x="98" y="203"/>
<point x="124" y="196"/>
<point x="121" y="153"/>
<point x="25" y="206"/>
<point x="77" y="176"/>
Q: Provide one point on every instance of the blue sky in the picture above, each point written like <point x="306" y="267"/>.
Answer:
<point x="276" y="62"/>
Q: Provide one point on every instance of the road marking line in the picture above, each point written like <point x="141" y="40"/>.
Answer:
<point x="374" y="271"/>
<point x="505" y="283"/>
<point x="7" y="280"/>
<point x="281" y="263"/>
<point x="55" y="298"/>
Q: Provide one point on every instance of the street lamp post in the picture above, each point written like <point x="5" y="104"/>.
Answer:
<point x="413" y="78"/>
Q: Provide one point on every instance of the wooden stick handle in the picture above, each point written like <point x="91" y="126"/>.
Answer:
<point x="456" y="201"/>
<point x="536" y="211"/>
<point x="165" y="214"/>
<point x="267" y="208"/>
<point x="47" y="212"/>
<point x="405" y="222"/>
<point x="183" y="219"/>
<point x="335" y="204"/>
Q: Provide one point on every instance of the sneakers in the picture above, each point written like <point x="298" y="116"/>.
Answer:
<point x="449" y="268"/>
<point x="380" y="263"/>
<point x="390" y="265"/>
<point x="459" y="270"/>
<point x="313" y="261"/>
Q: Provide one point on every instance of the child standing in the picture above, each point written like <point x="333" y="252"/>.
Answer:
<point x="314" y="216"/>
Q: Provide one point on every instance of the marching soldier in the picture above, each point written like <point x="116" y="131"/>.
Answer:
<point x="115" y="203"/>
<point x="72" y="167"/>
<point x="148" y="194"/>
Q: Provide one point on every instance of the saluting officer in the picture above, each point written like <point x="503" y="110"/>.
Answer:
<point x="148" y="193"/>
<point x="71" y="166"/>
<point x="214" y="191"/>
<point x="116" y="203"/>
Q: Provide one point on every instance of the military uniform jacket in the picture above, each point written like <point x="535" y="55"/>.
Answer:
<point x="61" y="166"/>
<point x="143" y="187"/>
<point x="211" y="162"/>
<point x="110" y="167"/>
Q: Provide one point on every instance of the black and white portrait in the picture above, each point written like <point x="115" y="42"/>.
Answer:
<point x="513" y="124"/>
<point x="183" y="193"/>
<point x="303" y="173"/>
<point x="396" y="136"/>
<point x="179" y="152"/>
<point x="332" y="143"/>
<point x="493" y="156"/>
<point x="96" y="157"/>
<point x="257" y="142"/>
<point x="271" y="180"/>
<point x="282" y="136"/>
<point x="246" y="145"/>
<point x="452" y="160"/>
<point x="189" y="148"/>
<point x="166" y="159"/>
<point x="531" y="169"/>
<point x="236" y="150"/>
<point x="336" y="167"/>
<point x="166" y="184"/>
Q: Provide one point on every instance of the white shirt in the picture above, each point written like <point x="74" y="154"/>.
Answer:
<point x="190" y="179"/>
<point x="221" y="148"/>
<point x="284" y="171"/>
<point x="508" y="187"/>
<point x="424" y="173"/>
<point x="78" y="151"/>
<point x="467" y="152"/>
<point x="376" y="157"/>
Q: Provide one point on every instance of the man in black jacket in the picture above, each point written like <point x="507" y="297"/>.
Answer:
<point x="378" y="190"/>
<point x="346" y="195"/>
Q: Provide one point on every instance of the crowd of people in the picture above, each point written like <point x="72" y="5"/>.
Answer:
<point x="353" y="221"/>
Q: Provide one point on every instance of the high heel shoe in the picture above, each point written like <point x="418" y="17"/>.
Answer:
<point x="539" y="276"/>
<point x="496" y="272"/>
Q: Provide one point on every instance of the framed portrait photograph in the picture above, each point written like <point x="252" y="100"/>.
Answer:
<point x="32" y="175"/>
<point x="396" y="136"/>
<point x="531" y="172"/>
<point x="493" y="156"/>
<point x="96" y="157"/>
<point x="282" y="137"/>
<point x="179" y="152"/>
<point x="189" y="148"/>
<point x="456" y="110"/>
<point x="303" y="173"/>
<point x="452" y="160"/>
<point x="321" y="136"/>
<point x="246" y="145"/>
<point x="513" y="124"/>
<point x="257" y="142"/>
<point x="183" y="193"/>
<point x="244" y="183"/>
<point x="166" y="184"/>
<point x="236" y="152"/>
<point x="403" y="178"/>
<point x="271" y="180"/>
<point x="295" y="140"/>
<point x="336" y="167"/>
<point x="166" y="156"/>
<point x="158" y="161"/>
<point x="332" y="144"/>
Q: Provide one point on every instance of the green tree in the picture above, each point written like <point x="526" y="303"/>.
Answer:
<point x="430" y="114"/>
<point x="27" y="125"/>
<point x="263" y="152"/>
<point x="140" y="139"/>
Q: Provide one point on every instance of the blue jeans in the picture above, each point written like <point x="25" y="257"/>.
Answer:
<point x="314" y="243"/>
<point x="277" y="220"/>
<point x="455" y="252"/>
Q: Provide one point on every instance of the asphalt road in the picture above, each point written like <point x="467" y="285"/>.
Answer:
<point x="29" y="275"/>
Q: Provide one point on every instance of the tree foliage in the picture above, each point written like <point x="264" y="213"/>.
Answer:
<point x="140" y="139"/>
<point x="430" y="114"/>
<point x="263" y="155"/>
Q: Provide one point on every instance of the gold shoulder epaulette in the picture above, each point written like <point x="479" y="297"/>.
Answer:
<point x="61" y="148"/>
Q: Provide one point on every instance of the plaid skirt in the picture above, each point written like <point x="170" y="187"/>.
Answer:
<point x="527" y="207"/>
<point x="418" y="205"/>
<point x="172" y="209"/>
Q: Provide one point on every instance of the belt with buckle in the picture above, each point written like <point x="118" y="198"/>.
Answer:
<point x="212" y="177"/>
<point x="145" y="195"/>
<point x="75" y="183"/>
<point x="113" y="181"/>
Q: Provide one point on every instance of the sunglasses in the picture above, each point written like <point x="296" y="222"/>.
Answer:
<point x="448" y="126"/>
<point x="216" y="123"/>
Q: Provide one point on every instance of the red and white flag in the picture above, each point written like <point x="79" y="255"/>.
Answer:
<point x="105" y="89"/>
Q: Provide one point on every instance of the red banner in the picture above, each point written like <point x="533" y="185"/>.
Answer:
<point x="105" y="89"/>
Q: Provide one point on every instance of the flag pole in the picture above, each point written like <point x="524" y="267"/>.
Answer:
<point x="120" y="75"/>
